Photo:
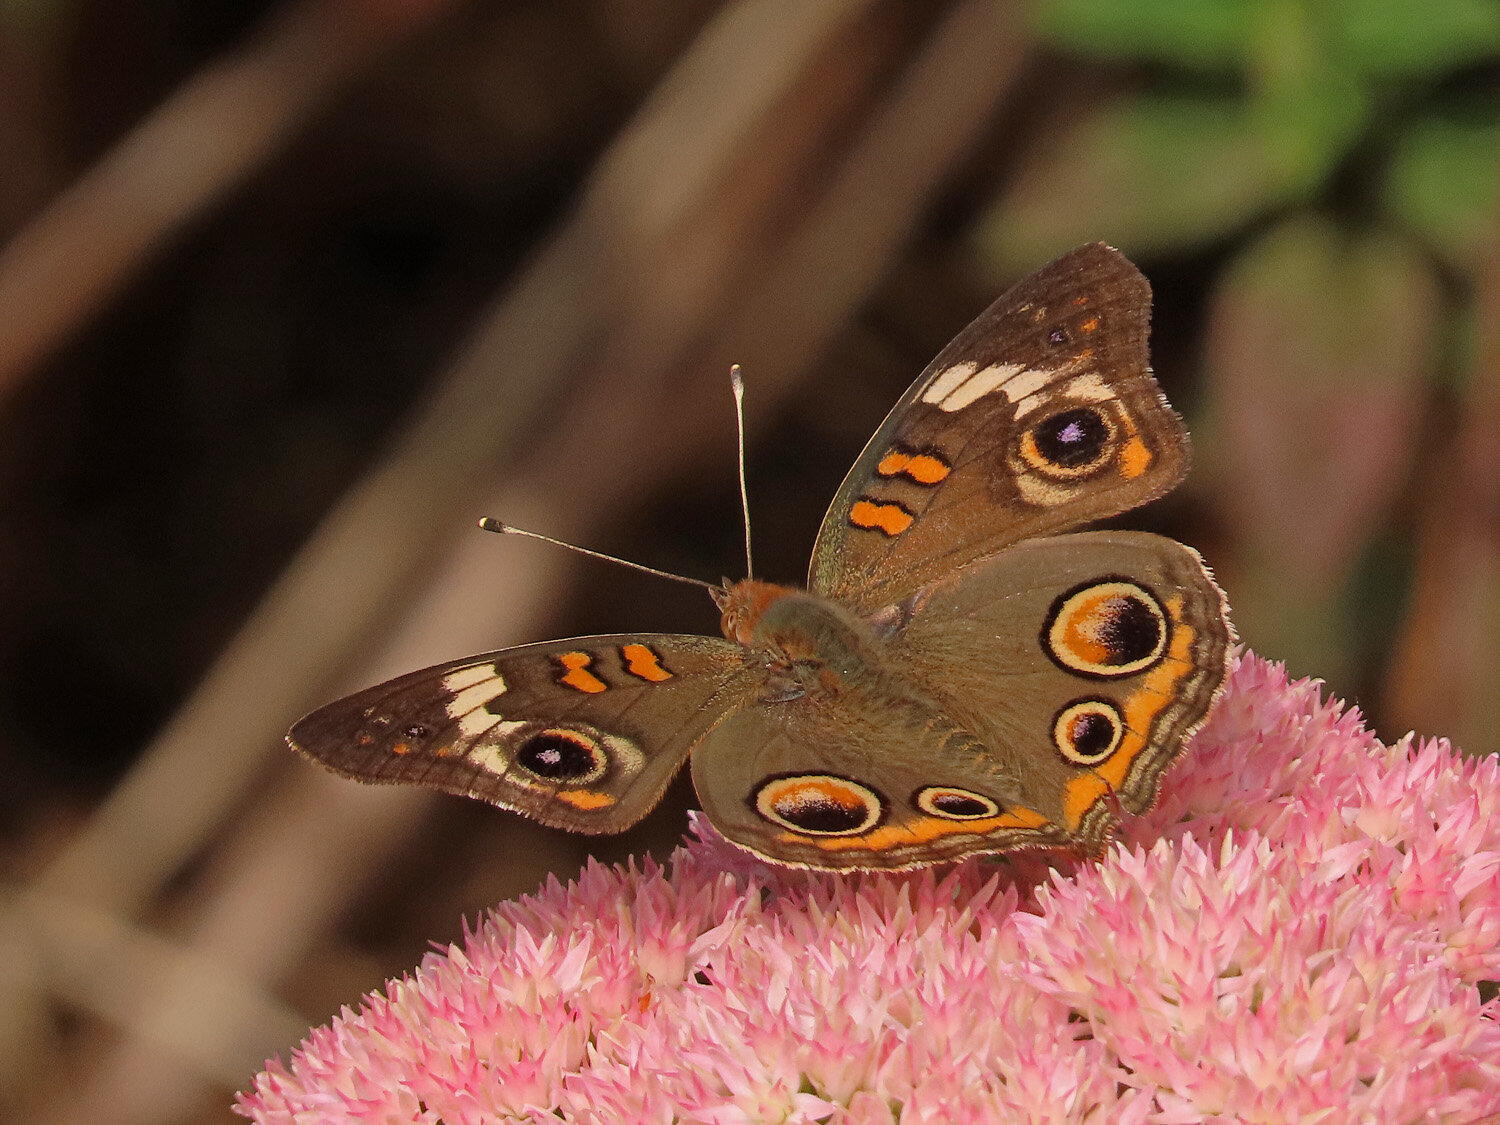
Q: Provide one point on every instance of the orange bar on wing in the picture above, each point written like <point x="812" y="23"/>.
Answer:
<point x="1082" y="793"/>
<point x="923" y="468"/>
<point x="578" y="675"/>
<point x="585" y="799"/>
<point x="923" y="830"/>
<point x="892" y="519"/>
<point x="1135" y="458"/>
<point x="642" y="661"/>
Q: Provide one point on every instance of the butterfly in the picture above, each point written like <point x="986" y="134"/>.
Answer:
<point x="965" y="672"/>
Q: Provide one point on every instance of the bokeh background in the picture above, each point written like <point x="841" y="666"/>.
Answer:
<point x="292" y="291"/>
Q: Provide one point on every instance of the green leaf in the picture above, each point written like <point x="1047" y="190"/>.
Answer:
<point x="1401" y="38"/>
<point x="1154" y="174"/>
<point x="1196" y="34"/>
<point x="1444" y="184"/>
<point x="1310" y="120"/>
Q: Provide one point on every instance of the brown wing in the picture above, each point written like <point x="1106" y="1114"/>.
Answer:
<point x="1040" y="416"/>
<point x="1021" y="702"/>
<point x="862" y="780"/>
<point x="1085" y="659"/>
<point x="582" y="734"/>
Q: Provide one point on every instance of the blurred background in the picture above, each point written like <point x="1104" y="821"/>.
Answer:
<point x="291" y="292"/>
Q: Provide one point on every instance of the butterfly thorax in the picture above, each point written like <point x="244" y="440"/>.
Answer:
<point x="809" y="643"/>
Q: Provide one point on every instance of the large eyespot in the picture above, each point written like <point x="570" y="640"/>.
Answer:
<point x="1088" y="731"/>
<point x="562" y="756"/>
<point x="954" y="804"/>
<point x="1110" y="627"/>
<point x="819" y="804"/>
<point x="1071" y="443"/>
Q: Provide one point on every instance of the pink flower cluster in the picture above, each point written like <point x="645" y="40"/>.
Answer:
<point x="1306" y="929"/>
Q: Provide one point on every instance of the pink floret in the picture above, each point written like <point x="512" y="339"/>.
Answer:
<point x="1304" y="930"/>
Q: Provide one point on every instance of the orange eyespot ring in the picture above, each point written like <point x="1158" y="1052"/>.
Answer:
<point x="951" y="803"/>
<point x="562" y="756"/>
<point x="1071" y="443"/>
<point x="1088" y="731"/>
<point x="1106" y="628"/>
<point x="819" y="804"/>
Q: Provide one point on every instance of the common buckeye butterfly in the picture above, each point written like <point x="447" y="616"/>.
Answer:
<point x="965" y="673"/>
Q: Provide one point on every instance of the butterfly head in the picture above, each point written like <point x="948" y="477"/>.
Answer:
<point x="742" y="604"/>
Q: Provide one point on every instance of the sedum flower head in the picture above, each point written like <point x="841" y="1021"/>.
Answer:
<point x="1307" y="928"/>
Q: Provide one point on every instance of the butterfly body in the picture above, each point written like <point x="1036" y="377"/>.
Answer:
<point x="963" y="674"/>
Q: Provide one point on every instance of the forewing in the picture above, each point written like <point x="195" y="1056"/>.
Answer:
<point x="1041" y="415"/>
<point x="582" y="734"/>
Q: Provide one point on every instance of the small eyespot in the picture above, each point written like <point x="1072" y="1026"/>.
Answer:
<point x="1057" y="337"/>
<point x="954" y="804"/>
<point x="566" y="757"/>
<point x="416" y="730"/>
<point x="1106" y="628"/>
<point x="1087" y="731"/>
<point x="819" y="804"/>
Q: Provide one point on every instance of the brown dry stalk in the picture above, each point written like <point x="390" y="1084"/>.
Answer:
<point x="219" y="127"/>
<point x="772" y="275"/>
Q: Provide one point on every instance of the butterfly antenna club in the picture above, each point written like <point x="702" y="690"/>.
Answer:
<point x="737" y="385"/>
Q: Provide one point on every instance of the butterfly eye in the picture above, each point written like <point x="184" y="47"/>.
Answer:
<point x="819" y="804"/>
<point x="567" y="757"/>
<point x="1088" y="731"/>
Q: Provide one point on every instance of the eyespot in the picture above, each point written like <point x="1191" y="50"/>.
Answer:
<point x="562" y="756"/>
<point x="1071" y="443"/>
<point x="1110" y="627"/>
<point x="954" y="804"/>
<point x="1087" y="731"/>
<point x="819" y="804"/>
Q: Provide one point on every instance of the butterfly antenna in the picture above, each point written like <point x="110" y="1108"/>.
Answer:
<point x="737" y="384"/>
<point x="489" y="524"/>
